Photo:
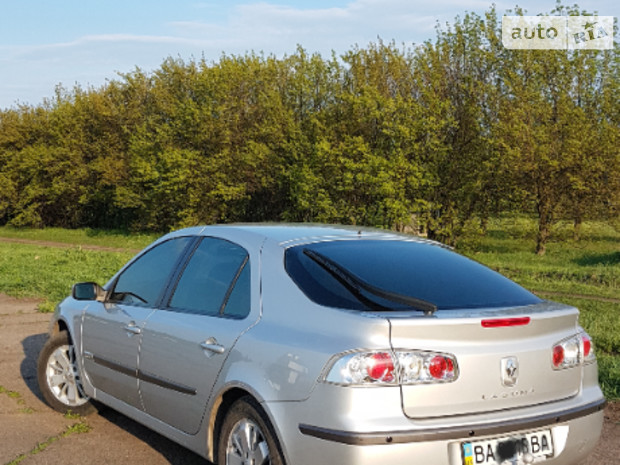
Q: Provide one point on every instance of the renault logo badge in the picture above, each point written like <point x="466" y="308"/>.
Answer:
<point x="510" y="371"/>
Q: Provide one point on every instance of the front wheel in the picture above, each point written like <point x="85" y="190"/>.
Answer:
<point x="59" y="377"/>
<point x="246" y="437"/>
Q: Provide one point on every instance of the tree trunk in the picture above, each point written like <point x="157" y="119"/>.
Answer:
<point x="577" y="228"/>
<point x="544" y="226"/>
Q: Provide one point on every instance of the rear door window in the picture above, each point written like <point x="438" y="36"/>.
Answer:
<point x="216" y="281"/>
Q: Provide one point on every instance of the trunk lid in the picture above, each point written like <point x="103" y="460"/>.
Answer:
<point x="485" y="355"/>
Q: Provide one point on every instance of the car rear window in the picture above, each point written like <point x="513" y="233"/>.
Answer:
<point x="420" y="270"/>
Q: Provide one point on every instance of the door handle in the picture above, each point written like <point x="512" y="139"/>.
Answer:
<point x="132" y="328"/>
<point x="212" y="345"/>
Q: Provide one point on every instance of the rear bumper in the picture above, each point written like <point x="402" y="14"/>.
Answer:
<point x="453" y="433"/>
<point x="359" y="427"/>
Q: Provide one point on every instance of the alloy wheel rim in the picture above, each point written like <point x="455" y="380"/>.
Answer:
<point x="63" y="377"/>
<point x="247" y="445"/>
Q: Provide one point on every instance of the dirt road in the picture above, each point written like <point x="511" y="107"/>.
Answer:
<point x="32" y="434"/>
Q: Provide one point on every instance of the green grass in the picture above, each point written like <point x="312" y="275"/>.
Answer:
<point x="590" y="266"/>
<point x="48" y="273"/>
<point x="97" y="237"/>
<point x="23" y="408"/>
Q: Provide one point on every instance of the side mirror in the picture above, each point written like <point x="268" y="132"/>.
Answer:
<point x="88" y="291"/>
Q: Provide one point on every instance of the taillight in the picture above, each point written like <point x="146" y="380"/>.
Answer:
<point x="588" y="348"/>
<point x="573" y="351"/>
<point x="380" y="367"/>
<point x="392" y="368"/>
<point x="558" y="355"/>
<point x="441" y="367"/>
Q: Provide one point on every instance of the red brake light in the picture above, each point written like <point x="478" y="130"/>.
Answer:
<point x="440" y="366"/>
<point x="587" y="346"/>
<point x="503" y="322"/>
<point x="558" y="355"/>
<point x="382" y="367"/>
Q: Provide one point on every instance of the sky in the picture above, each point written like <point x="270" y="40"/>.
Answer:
<point x="45" y="43"/>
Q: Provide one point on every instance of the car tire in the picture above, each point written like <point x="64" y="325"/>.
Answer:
<point x="59" y="377"/>
<point x="246" y="436"/>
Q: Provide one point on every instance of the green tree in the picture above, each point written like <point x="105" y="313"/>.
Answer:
<point x="456" y="85"/>
<point x="557" y="132"/>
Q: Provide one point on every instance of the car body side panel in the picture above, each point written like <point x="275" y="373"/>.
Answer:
<point x="110" y="348"/>
<point x="288" y="359"/>
<point x="292" y="366"/>
<point x="177" y="374"/>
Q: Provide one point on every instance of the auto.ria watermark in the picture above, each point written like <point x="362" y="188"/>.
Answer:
<point x="558" y="32"/>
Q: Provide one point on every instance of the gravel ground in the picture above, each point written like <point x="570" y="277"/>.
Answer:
<point x="32" y="434"/>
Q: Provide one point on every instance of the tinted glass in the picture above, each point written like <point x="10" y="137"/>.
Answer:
<point x="143" y="281"/>
<point x="238" y="305"/>
<point x="415" y="269"/>
<point x="215" y="281"/>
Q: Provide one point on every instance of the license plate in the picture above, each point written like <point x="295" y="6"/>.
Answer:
<point x="517" y="450"/>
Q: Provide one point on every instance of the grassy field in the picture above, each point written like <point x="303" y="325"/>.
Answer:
<point x="48" y="273"/>
<point x="590" y="266"/>
<point x="583" y="273"/>
<point x="77" y="237"/>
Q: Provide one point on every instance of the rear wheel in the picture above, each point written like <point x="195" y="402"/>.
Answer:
<point x="59" y="377"/>
<point x="247" y="438"/>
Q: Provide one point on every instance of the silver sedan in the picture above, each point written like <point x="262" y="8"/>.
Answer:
<point x="268" y="344"/>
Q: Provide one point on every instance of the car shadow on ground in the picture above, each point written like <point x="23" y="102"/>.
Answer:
<point x="31" y="346"/>
<point x="172" y="452"/>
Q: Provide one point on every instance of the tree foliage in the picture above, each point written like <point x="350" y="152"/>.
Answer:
<point x="430" y="137"/>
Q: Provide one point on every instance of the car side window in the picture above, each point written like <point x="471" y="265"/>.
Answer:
<point x="143" y="282"/>
<point x="216" y="281"/>
<point x="238" y="305"/>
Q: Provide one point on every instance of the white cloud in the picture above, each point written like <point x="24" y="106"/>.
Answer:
<point x="29" y="73"/>
<point x="278" y="28"/>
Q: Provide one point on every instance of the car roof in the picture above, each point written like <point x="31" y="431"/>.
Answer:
<point x="291" y="234"/>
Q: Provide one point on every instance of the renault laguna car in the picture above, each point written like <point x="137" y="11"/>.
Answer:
<point x="299" y="345"/>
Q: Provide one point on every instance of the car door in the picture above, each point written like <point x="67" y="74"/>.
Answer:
<point x="112" y="329"/>
<point x="185" y="344"/>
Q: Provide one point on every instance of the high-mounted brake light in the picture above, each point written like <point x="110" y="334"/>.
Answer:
<point x="393" y="368"/>
<point x="573" y="351"/>
<point x="505" y="322"/>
